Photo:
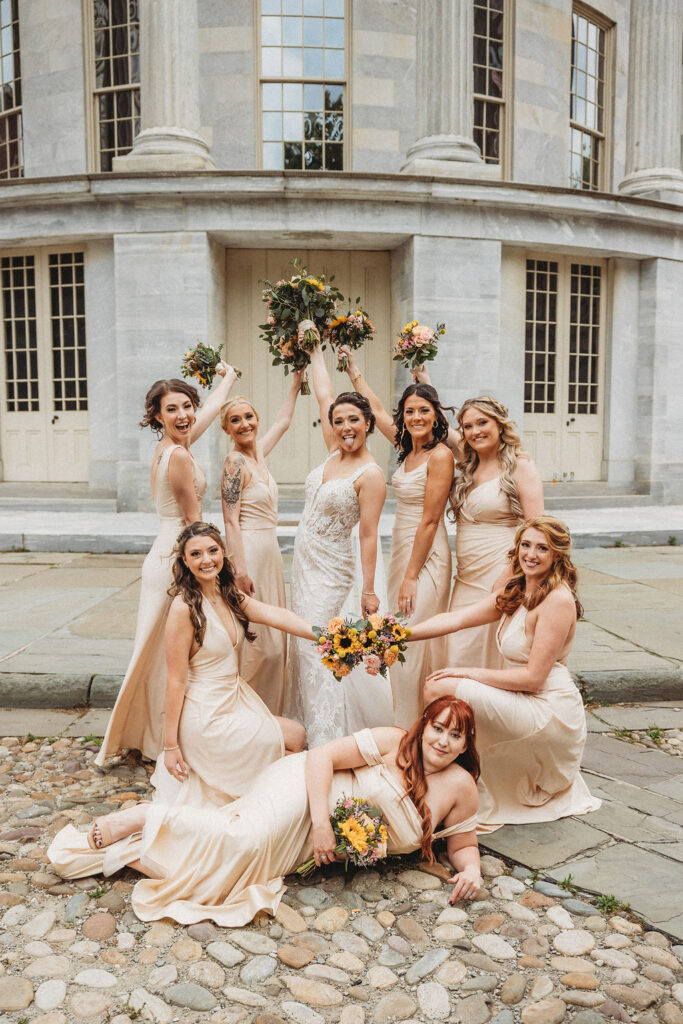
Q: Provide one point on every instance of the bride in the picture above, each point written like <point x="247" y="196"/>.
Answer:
<point x="347" y="488"/>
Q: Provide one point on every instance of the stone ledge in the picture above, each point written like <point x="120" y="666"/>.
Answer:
<point x="636" y="686"/>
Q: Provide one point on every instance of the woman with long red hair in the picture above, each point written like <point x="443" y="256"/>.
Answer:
<point x="530" y="719"/>
<point x="229" y="863"/>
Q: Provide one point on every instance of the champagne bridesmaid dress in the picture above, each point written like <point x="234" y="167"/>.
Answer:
<point x="137" y="721"/>
<point x="485" y="532"/>
<point x="433" y="585"/>
<point x="226" y="864"/>
<point x="530" y="744"/>
<point x="263" y="664"/>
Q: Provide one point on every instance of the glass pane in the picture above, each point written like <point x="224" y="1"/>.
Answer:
<point x="313" y="31"/>
<point x="334" y="8"/>
<point x="271" y="31"/>
<point x="313" y="125"/>
<point x="313" y="97"/>
<point x="272" y="96"/>
<point x="293" y="156"/>
<point x="334" y="127"/>
<point x="291" y="96"/>
<point x="272" y="156"/>
<point x="334" y="63"/>
<point x="313" y="6"/>
<point x="291" y="7"/>
<point x="313" y="63"/>
<point x="334" y="32"/>
<point x="292" y="65"/>
<point x="271" y="61"/>
<point x="292" y="126"/>
<point x="313" y="159"/>
<point x="291" y="31"/>
<point x="272" y="126"/>
<point x="334" y="157"/>
<point x="270" y="6"/>
<point x="334" y="97"/>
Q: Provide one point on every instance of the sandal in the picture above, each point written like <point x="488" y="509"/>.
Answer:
<point x="105" y="835"/>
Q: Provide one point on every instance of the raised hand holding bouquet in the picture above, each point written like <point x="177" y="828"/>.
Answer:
<point x="387" y="638"/>
<point x="349" y="330"/>
<point x="377" y="642"/>
<point x="360" y="833"/>
<point x="201" y="363"/>
<point x="417" y="344"/>
<point x="298" y="314"/>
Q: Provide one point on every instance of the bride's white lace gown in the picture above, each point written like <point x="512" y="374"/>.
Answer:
<point x="323" y="570"/>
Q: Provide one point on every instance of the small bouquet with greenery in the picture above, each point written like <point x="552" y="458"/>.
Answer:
<point x="417" y="344"/>
<point x="342" y="644"/>
<point x="200" y="362"/>
<point x="299" y="311"/>
<point x="387" y="638"/>
<point x="349" y="330"/>
<point x="360" y="832"/>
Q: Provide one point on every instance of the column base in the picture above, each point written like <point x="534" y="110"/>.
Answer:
<point x="663" y="183"/>
<point x="166" y="149"/>
<point x="450" y="156"/>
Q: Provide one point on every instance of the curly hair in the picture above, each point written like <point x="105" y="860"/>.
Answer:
<point x="508" y="453"/>
<point x="186" y="585"/>
<point x="361" y="403"/>
<point x="404" y="441"/>
<point x="409" y="758"/>
<point x="153" y="400"/>
<point x="562" y="571"/>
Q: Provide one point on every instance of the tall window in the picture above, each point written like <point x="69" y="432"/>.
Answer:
<point x="67" y="321"/>
<point x="18" y="279"/>
<point x="11" y="130"/>
<point x="117" y="77"/>
<point x="302" y="84"/>
<point x="587" y="103"/>
<point x="489" y="84"/>
<point x="540" y="348"/>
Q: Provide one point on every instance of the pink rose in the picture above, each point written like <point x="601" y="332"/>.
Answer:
<point x="372" y="665"/>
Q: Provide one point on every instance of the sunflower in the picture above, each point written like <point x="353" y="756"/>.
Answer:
<point x="355" y="833"/>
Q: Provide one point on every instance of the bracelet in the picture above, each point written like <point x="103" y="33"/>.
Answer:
<point x="368" y="593"/>
<point x="357" y="377"/>
<point x="172" y="748"/>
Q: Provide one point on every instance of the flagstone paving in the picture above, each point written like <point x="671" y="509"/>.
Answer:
<point x="358" y="948"/>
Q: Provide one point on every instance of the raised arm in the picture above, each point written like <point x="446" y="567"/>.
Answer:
<point x="529" y="487"/>
<point x="321" y="763"/>
<point x="322" y="386"/>
<point x="385" y="421"/>
<point x="479" y="614"/>
<point x="211" y="407"/>
<point x="439" y="480"/>
<point x="181" y="482"/>
<point x="278" y="618"/>
<point x="233" y="480"/>
<point x="372" y="491"/>
<point x="283" y="419"/>
<point x="178" y="637"/>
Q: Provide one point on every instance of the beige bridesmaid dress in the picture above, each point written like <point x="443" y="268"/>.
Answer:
<point x="137" y="721"/>
<point x="530" y="744"/>
<point x="226" y="733"/>
<point x="226" y="864"/>
<point x="263" y="664"/>
<point x="433" y="585"/>
<point x="485" y="532"/>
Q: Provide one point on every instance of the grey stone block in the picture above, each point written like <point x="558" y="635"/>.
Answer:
<point x="12" y="542"/>
<point x="544" y="844"/>
<point x="43" y="690"/>
<point x="104" y="691"/>
<point x="635" y="685"/>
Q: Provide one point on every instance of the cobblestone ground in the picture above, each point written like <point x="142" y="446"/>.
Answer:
<point x="670" y="740"/>
<point x="372" y="946"/>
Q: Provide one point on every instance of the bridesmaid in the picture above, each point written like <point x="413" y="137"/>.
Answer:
<point x="249" y="496"/>
<point x="496" y="489"/>
<point x="420" y="565"/>
<point x="178" y="485"/>
<point x="227" y="864"/>
<point x="531" y="725"/>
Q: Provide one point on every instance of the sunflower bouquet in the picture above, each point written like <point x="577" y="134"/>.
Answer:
<point x="387" y="638"/>
<point x="299" y="312"/>
<point x="360" y="832"/>
<point x="342" y="644"/>
<point x="417" y="344"/>
<point x="349" y="330"/>
<point x="200" y="362"/>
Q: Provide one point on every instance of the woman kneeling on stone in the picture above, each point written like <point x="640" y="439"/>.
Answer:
<point x="228" y="863"/>
<point x="531" y="724"/>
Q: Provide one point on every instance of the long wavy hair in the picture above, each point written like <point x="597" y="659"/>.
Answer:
<point x="186" y="585"/>
<point x="509" y="448"/>
<point x="563" y="571"/>
<point x="158" y="390"/>
<point x="404" y="442"/>
<point x="409" y="758"/>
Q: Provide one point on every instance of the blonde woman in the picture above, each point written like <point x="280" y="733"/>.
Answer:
<point x="531" y="726"/>
<point x="249" y="498"/>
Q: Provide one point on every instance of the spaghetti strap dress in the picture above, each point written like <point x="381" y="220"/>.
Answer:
<point x="137" y="721"/>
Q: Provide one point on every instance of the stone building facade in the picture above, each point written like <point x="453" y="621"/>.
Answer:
<point x="510" y="167"/>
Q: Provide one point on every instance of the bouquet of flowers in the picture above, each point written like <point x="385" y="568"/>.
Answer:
<point x="361" y="835"/>
<point x="299" y="311"/>
<point x="200" y="362"/>
<point x="417" y="344"/>
<point x="351" y="330"/>
<point x="342" y="644"/>
<point x="387" y="642"/>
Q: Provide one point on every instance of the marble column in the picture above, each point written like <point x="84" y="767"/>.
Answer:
<point x="654" y="101"/>
<point x="169" y="139"/>
<point x="444" y="104"/>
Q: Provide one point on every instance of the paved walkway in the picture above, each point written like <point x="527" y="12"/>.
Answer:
<point x="358" y="948"/>
<point x="68" y="620"/>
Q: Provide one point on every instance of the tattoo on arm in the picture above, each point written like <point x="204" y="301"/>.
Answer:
<point x="231" y="483"/>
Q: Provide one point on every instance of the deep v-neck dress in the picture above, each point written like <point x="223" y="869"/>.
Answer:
<point x="485" y="532"/>
<point x="322" y="575"/>
<point x="263" y="664"/>
<point x="530" y="744"/>
<point x="137" y="721"/>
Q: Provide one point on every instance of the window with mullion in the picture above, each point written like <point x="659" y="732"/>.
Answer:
<point x="489" y="84"/>
<point x="116" y="48"/>
<point x="11" y="122"/>
<point x="302" y="84"/>
<point x="587" y="103"/>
